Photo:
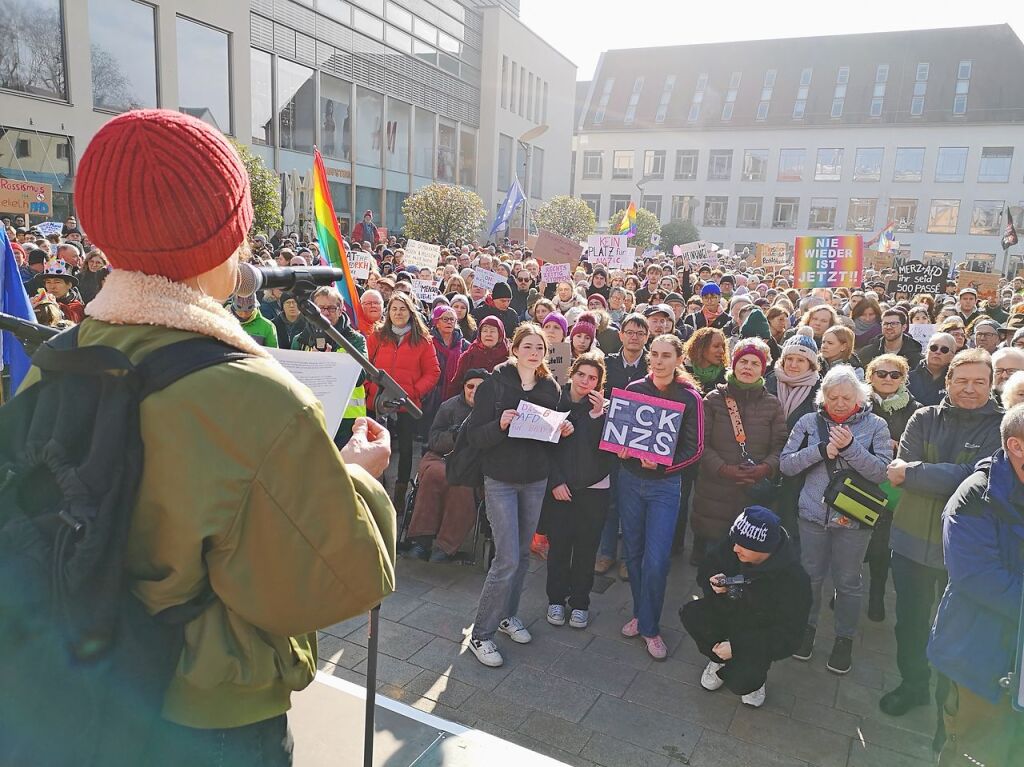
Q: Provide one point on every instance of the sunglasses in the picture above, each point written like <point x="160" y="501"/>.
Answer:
<point x="937" y="348"/>
<point x="893" y="374"/>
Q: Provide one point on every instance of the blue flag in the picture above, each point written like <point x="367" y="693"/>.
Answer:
<point x="513" y="199"/>
<point x="13" y="300"/>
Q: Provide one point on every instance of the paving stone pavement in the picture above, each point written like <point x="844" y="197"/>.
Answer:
<point x="591" y="697"/>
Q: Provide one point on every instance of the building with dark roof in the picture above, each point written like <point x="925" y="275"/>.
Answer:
<point x="766" y="140"/>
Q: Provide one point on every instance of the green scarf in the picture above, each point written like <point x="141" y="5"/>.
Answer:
<point x="734" y="381"/>
<point x="709" y="374"/>
<point x="896" y="402"/>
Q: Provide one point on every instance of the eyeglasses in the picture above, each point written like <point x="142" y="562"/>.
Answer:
<point x="937" y="348"/>
<point x="984" y="333"/>
<point x="635" y="333"/>
<point x="522" y="279"/>
<point x="329" y="309"/>
<point x="893" y="324"/>
<point x="893" y="374"/>
<point x="1006" y="372"/>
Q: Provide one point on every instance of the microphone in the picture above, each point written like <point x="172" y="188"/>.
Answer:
<point x="252" y="278"/>
<point x="25" y="331"/>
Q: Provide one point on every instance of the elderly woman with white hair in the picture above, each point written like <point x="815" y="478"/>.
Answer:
<point x="843" y="434"/>
<point x="1013" y="391"/>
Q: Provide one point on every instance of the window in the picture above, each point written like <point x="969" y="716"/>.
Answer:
<point x="32" y="55"/>
<point x="960" y="104"/>
<point x="397" y="135"/>
<point x="446" y="140"/>
<point x="800" y="105"/>
<point x="652" y="203"/>
<point x="505" y="152"/>
<point x="903" y="213"/>
<point x="622" y="164"/>
<point x="922" y="73"/>
<point x="698" y="97"/>
<point x="755" y="165"/>
<point x="942" y="216"/>
<point x="882" y="73"/>
<point x="504" y="82"/>
<point x="602" y="103"/>
<point x="985" y="218"/>
<point x="805" y="76"/>
<point x="369" y="139"/>
<point x="654" y="163"/>
<point x="262" y="99"/>
<point x="618" y="202"/>
<point x="762" y="111"/>
<point x="537" y="174"/>
<point x="634" y="99"/>
<point x="423" y="149"/>
<point x="843" y="75"/>
<point x="823" y="213"/>
<point x="22" y="148"/>
<point x="396" y="14"/>
<point x="336" y="119"/>
<point x="786" y="211"/>
<point x="829" y="165"/>
<point x="995" y="164"/>
<point x="963" y="71"/>
<point x="686" y="163"/>
<point x="791" y="164"/>
<point x="839" y="93"/>
<point x="467" y="159"/>
<point x="917" y="106"/>
<point x="748" y="216"/>
<point x="951" y="164"/>
<point x="683" y="207"/>
<point x="593" y="164"/>
<point x="123" y="53"/>
<point x="861" y="215"/>
<point x="715" y="211"/>
<point x="963" y="85"/>
<point x="593" y="202"/>
<point x="296" y="110"/>
<point x="720" y="165"/>
<point x="837" y="108"/>
<point x="730" y="96"/>
<point x="666" y="97"/>
<point x="909" y="164"/>
<point x="204" y="77"/>
<point x="867" y="164"/>
<point x="727" y="110"/>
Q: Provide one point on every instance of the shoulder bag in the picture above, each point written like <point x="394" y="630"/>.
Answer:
<point x="764" y="491"/>
<point x="848" y="493"/>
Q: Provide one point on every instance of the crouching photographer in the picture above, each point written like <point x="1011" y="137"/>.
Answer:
<point x="755" y="606"/>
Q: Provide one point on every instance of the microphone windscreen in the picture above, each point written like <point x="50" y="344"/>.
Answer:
<point x="249" y="280"/>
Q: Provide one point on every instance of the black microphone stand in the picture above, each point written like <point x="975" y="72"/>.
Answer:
<point x="390" y="397"/>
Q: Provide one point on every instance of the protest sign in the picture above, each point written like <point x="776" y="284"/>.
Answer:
<point x="50" y="227"/>
<point x="921" y="332"/>
<point x="360" y="263"/>
<point x="610" y="250"/>
<point x="555" y="249"/>
<point x="648" y="427"/>
<point x="915" y="278"/>
<point x="771" y="255"/>
<point x="559" y="358"/>
<point x="828" y="262"/>
<point x="623" y="259"/>
<point x="875" y="259"/>
<point x="536" y="422"/>
<point x="425" y="290"/>
<point x="655" y="240"/>
<point x="986" y="283"/>
<point x="26" y="197"/>
<point x="422" y="255"/>
<point x="486" y="279"/>
<point x="693" y="251"/>
<point x="550" y="273"/>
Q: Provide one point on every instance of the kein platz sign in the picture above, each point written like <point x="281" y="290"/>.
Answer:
<point x="25" y="197"/>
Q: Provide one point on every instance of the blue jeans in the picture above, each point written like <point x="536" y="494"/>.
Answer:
<point x="513" y="511"/>
<point x="648" y="510"/>
<point x="838" y="550"/>
<point x="610" y="535"/>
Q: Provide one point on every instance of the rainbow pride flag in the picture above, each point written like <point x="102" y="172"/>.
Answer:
<point x="828" y="262"/>
<point x="628" y="224"/>
<point x="331" y="245"/>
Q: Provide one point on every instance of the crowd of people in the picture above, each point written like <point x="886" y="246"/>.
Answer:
<point x="788" y="398"/>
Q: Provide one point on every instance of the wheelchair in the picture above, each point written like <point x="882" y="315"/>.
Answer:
<point x="481" y="530"/>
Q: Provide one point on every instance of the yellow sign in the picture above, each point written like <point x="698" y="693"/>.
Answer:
<point x="25" y="197"/>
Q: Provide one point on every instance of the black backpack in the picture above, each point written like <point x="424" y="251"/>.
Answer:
<point x="83" y="666"/>
<point x="463" y="466"/>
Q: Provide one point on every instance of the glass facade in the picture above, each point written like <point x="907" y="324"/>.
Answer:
<point x="399" y="136"/>
<point x="369" y="127"/>
<point x="446" y="146"/>
<point x="261" y="98"/>
<point x="335" y="117"/>
<point x="296" y="110"/>
<point x="32" y="56"/>
<point x="204" y="73"/>
<point x="423" y="146"/>
<point x="123" y="54"/>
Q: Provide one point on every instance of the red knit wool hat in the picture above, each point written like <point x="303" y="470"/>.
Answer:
<point x="163" y="193"/>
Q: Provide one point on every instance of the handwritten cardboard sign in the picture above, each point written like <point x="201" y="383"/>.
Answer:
<point x="622" y="259"/>
<point x="875" y="259"/>
<point x="771" y="255"/>
<point x="486" y="279"/>
<point x="559" y="359"/>
<point x="915" y="278"/>
<point x="555" y="249"/>
<point x="986" y="283"/>
<point x="425" y="290"/>
<point x="422" y="255"/>
<point x="693" y="252"/>
<point x="50" y="227"/>
<point x="536" y="422"/>
<point x="550" y="273"/>
<point x="648" y="427"/>
<point x="360" y="263"/>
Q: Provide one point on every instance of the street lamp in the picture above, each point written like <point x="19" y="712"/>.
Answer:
<point x="524" y="141"/>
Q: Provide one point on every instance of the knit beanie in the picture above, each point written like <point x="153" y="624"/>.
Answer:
<point x="745" y="347"/>
<point x="587" y="324"/>
<point x="501" y="290"/>
<point x="558" y="319"/>
<point x="757" y="529"/>
<point x="163" y="193"/>
<point x="711" y="289"/>
<point x="803" y="344"/>
<point x="755" y="326"/>
<point x="599" y="298"/>
<point x="439" y="311"/>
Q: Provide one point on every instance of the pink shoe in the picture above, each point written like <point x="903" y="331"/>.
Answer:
<point x="656" y="647"/>
<point x="631" y="629"/>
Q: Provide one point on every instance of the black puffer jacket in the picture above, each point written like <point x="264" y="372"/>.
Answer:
<point x="576" y="460"/>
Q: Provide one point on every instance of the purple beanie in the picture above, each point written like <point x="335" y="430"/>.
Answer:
<point x="558" y="319"/>
<point x="438" y="311"/>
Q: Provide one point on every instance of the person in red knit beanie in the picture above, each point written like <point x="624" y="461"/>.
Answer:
<point x="167" y="198"/>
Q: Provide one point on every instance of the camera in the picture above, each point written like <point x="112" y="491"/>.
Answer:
<point x="734" y="585"/>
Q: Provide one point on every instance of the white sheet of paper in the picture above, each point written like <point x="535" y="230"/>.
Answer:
<point x="486" y="279"/>
<point x="922" y="333"/>
<point x="331" y="376"/>
<point x="535" y="422"/>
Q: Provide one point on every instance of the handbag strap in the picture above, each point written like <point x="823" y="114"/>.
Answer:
<point x="737" y="425"/>
<point x="830" y="465"/>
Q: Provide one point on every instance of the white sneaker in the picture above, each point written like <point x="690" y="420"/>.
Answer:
<point x="754" y="699"/>
<point x="710" y="680"/>
<point x="486" y="652"/>
<point x="579" y="619"/>
<point x="516" y="630"/>
<point x="556" y="615"/>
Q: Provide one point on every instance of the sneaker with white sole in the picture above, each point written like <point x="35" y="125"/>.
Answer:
<point x="515" y="629"/>
<point x="710" y="680"/>
<point x="631" y="629"/>
<point x="754" y="699"/>
<point x="579" y="619"/>
<point x="556" y="615"/>
<point x="486" y="652"/>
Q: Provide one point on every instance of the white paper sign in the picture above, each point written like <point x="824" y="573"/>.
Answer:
<point x="425" y="290"/>
<point x="550" y="273"/>
<point x="609" y="250"/>
<point x="330" y="376"/>
<point x="535" y="422"/>
<point x="655" y="240"/>
<point x="359" y="264"/>
<point x="486" y="279"/>
<point x="49" y="227"/>
<point x="693" y="251"/>
<point x="922" y="334"/>
<point x="422" y="255"/>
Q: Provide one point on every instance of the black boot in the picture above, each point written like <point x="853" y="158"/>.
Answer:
<point x="903" y="698"/>
<point x="876" y="606"/>
<point x="806" y="648"/>
<point x="841" y="659"/>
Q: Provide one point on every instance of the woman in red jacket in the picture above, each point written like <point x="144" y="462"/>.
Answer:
<point x="401" y="345"/>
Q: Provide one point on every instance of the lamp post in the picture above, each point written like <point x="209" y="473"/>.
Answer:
<point x="524" y="141"/>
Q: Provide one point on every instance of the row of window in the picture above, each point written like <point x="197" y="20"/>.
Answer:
<point x="523" y="92"/>
<point x="529" y="166"/>
<point x="839" y="86"/>
<point x="950" y="164"/>
<point x="943" y="214"/>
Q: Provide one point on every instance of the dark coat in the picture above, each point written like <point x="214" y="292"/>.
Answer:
<point x="445" y="426"/>
<point x="925" y="389"/>
<point x="509" y="317"/>
<point x="910" y="351"/>
<point x="619" y="375"/>
<point x="771" y="385"/>
<point x="717" y="501"/>
<point x="896" y="420"/>
<point x="576" y="460"/>
<point x="691" y="437"/>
